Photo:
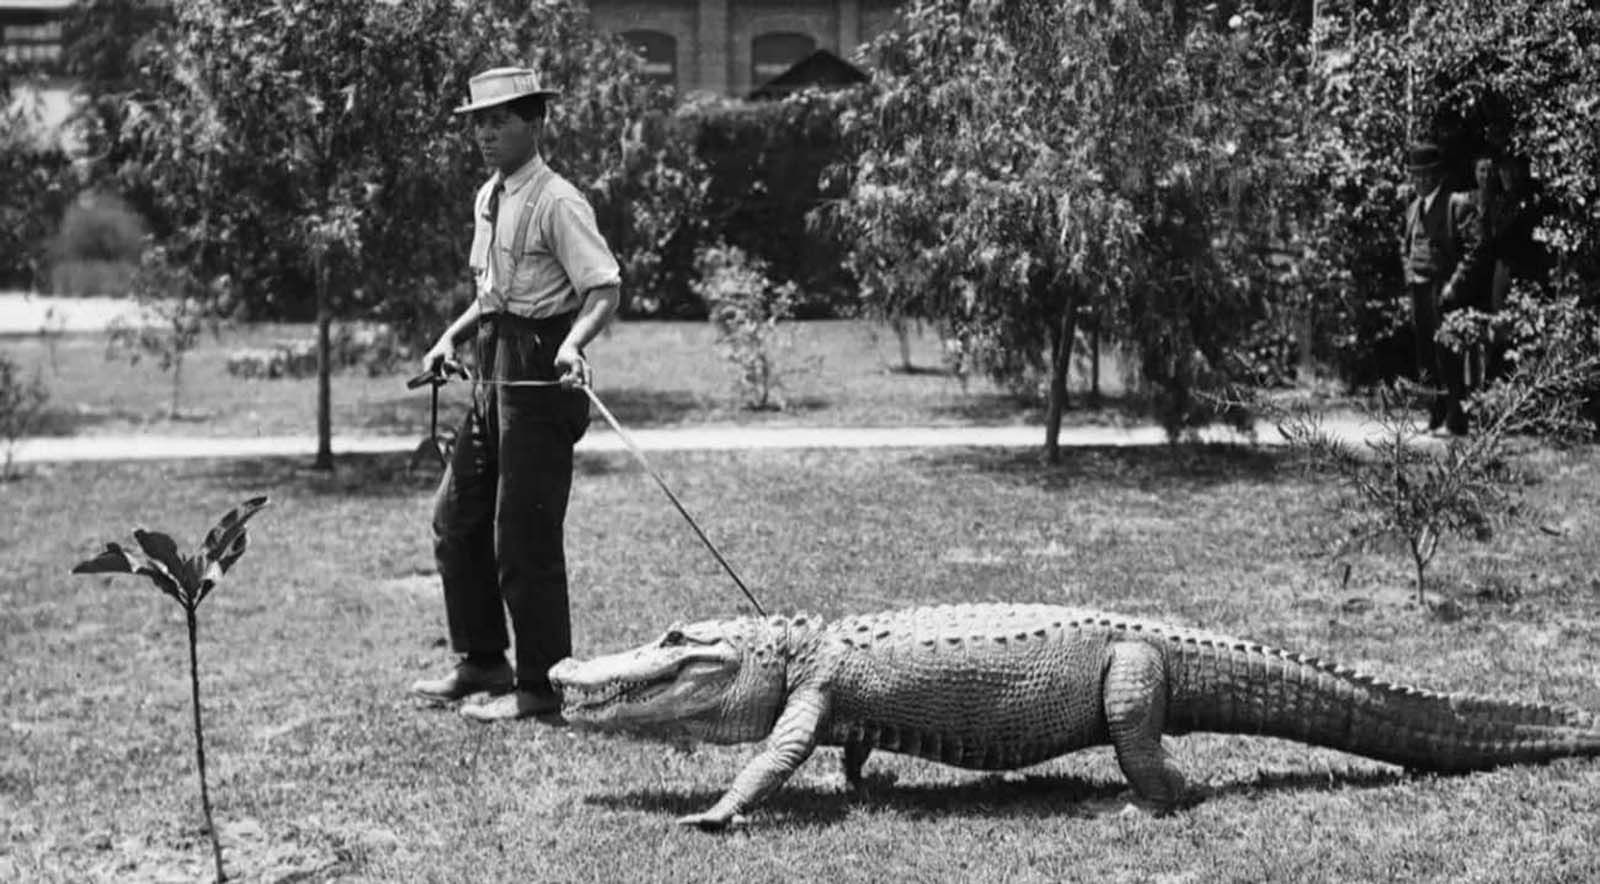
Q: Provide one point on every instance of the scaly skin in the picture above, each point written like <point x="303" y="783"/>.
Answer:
<point x="997" y="687"/>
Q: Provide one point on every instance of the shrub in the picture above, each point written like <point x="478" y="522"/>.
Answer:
<point x="177" y="308"/>
<point x="96" y="250"/>
<point x="21" y="403"/>
<point x="1420" y="494"/>
<point x="373" y="347"/>
<point x="746" y="307"/>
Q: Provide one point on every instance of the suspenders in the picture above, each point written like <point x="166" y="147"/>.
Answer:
<point x="519" y="238"/>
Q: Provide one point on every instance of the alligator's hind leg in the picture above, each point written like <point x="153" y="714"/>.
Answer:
<point x="855" y="755"/>
<point x="1134" y="692"/>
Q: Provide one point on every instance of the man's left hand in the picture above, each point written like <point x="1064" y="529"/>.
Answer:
<point x="573" y="367"/>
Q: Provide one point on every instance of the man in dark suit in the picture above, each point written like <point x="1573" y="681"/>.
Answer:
<point x="1441" y="254"/>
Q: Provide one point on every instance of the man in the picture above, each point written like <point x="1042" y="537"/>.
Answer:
<point x="547" y="283"/>
<point x="1441" y="257"/>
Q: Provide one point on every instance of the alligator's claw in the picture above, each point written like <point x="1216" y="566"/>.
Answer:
<point x="707" y="822"/>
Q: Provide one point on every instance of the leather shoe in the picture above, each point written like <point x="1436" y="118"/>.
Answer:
<point x="466" y="679"/>
<point x="515" y="705"/>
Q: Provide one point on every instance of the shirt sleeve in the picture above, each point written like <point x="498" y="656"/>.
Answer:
<point x="578" y="245"/>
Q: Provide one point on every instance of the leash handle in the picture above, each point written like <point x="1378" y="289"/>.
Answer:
<point x="438" y="376"/>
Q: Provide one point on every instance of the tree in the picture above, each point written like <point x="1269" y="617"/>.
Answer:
<point x="1026" y="164"/>
<point x="309" y="148"/>
<point x="1519" y="76"/>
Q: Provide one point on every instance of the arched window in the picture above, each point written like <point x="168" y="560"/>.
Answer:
<point x="660" y="53"/>
<point x="772" y="54"/>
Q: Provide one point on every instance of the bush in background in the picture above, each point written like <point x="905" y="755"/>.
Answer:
<point x="746" y="306"/>
<point x="38" y="185"/>
<point x="765" y="161"/>
<point x="375" y="348"/>
<point x="96" y="250"/>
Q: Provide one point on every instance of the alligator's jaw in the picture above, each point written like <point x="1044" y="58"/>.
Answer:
<point x="659" y="701"/>
<point x="658" y="689"/>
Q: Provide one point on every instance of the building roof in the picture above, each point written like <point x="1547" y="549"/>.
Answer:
<point x="820" y="68"/>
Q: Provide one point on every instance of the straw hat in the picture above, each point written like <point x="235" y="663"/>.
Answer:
<point x="498" y="86"/>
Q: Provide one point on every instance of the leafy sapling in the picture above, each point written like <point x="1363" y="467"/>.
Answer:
<point x="188" y="580"/>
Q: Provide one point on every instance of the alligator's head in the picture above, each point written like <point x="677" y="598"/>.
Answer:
<point x="721" y="681"/>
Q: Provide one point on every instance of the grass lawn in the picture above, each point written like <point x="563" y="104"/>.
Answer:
<point x="324" y="770"/>
<point x="649" y="374"/>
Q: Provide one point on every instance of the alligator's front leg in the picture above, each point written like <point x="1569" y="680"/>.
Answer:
<point x="788" y="746"/>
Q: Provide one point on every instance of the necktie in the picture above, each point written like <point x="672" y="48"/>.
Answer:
<point x="494" y="230"/>
<point x="494" y="210"/>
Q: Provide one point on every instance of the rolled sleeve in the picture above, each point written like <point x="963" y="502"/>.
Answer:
<point x="575" y="238"/>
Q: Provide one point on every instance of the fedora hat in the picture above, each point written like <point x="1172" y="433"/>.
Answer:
<point x="498" y="86"/>
<point x="1425" y="157"/>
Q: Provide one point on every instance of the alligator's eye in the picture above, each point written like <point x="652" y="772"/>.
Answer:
<point x="672" y="638"/>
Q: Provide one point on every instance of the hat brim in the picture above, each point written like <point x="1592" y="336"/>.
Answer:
<point x="1425" y="167"/>
<point x="505" y="99"/>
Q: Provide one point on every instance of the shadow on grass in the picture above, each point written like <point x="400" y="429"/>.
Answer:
<point x="1313" y="781"/>
<point x="1031" y="797"/>
<point x="988" y="409"/>
<point x="914" y="370"/>
<point x="1144" y="467"/>
<point x="1002" y="408"/>
<point x="61" y="422"/>
<point x="991" y="798"/>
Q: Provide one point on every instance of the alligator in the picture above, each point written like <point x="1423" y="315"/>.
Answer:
<point x="999" y="687"/>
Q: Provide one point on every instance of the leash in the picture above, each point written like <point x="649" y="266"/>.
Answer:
<point x="439" y="378"/>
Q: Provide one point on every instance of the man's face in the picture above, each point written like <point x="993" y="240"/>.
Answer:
<point x="505" y="139"/>
<point x="1483" y="172"/>
<point x="1512" y="176"/>
<point x="1425" y="180"/>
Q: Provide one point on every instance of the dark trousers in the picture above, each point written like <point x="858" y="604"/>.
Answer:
<point x="1438" y="366"/>
<point x="500" y="509"/>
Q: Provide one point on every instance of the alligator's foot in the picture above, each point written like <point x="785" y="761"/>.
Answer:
<point x="867" y="784"/>
<point x="707" y="822"/>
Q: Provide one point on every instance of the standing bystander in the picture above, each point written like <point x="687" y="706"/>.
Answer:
<point x="1439" y="258"/>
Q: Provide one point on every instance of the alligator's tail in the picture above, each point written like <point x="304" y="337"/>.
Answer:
<point x="1235" y="687"/>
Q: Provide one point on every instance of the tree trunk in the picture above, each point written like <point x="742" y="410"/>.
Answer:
<point x="177" y="386"/>
<point x="1094" y="361"/>
<point x="1060" y="361"/>
<point x="324" y="459"/>
<point x="902" y="333"/>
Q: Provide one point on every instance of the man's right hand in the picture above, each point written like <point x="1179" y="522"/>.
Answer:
<point x="438" y="358"/>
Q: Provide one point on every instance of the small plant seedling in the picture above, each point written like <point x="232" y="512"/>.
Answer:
<point x="188" y="580"/>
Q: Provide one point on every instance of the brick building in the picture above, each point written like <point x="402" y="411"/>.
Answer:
<point x="729" y="47"/>
<point x="725" y="47"/>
